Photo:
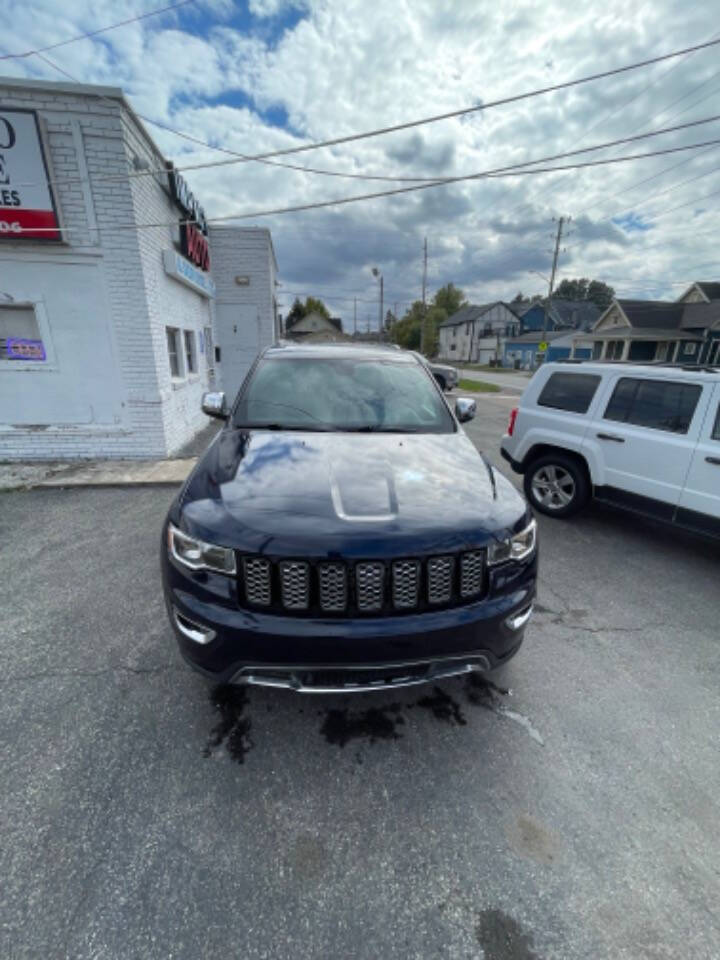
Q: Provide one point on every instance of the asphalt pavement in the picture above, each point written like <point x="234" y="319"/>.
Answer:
<point x="570" y="810"/>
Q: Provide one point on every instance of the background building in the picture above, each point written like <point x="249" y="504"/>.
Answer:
<point x="106" y="330"/>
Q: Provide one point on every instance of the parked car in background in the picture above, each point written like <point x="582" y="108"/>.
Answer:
<point x="343" y="533"/>
<point x="643" y="437"/>
<point x="446" y="376"/>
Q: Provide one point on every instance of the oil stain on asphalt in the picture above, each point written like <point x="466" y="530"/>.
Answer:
<point x="233" y="727"/>
<point x="502" y="938"/>
<point x="378" y="723"/>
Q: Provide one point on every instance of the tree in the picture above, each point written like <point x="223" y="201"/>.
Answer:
<point x="434" y="317"/>
<point x="406" y="331"/>
<point x="297" y="312"/>
<point x="518" y="298"/>
<point x="390" y="320"/>
<point x="314" y="305"/>
<point x="450" y="299"/>
<point x="583" y="289"/>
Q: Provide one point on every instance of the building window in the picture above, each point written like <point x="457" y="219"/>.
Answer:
<point x="190" y="356"/>
<point x="597" y="350"/>
<point x="20" y="337"/>
<point x="467" y="328"/>
<point x="173" y="337"/>
<point x="657" y="404"/>
<point x="614" y="350"/>
<point x="689" y="349"/>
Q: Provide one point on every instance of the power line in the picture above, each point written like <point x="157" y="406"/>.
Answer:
<point x="94" y="33"/>
<point x="444" y="116"/>
<point x="570" y="153"/>
<point x="688" y="203"/>
<point x="235" y="153"/>
<point x="500" y="172"/>
<point x="659" y="193"/>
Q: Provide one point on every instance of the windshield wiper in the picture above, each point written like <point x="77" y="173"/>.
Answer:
<point x="311" y="428"/>
<point x="379" y="428"/>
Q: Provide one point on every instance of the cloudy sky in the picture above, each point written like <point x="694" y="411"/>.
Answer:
<point x="260" y="75"/>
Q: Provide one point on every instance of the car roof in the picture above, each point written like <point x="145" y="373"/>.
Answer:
<point x="656" y="370"/>
<point x="340" y="351"/>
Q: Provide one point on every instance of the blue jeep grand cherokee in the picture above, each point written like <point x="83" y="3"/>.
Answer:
<point x="343" y="533"/>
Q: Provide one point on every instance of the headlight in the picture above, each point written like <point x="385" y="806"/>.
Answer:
<point x="516" y="548"/>
<point x="199" y="555"/>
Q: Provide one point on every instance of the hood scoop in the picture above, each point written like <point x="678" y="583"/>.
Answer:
<point x="364" y="493"/>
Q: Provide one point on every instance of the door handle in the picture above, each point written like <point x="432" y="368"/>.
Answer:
<point x="610" y="436"/>
<point x="715" y="460"/>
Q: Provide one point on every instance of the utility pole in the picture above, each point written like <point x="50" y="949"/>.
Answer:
<point x="381" y="327"/>
<point x="424" y="293"/>
<point x="355" y="315"/>
<point x="558" y="239"/>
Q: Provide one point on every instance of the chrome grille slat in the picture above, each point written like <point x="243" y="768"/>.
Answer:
<point x="256" y="573"/>
<point x="440" y="579"/>
<point x="472" y="573"/>
<point x="295" y="584"/>
<point x="332" y="582"/>
<point x="405" y="583"/>
<point x="369" y="579"/>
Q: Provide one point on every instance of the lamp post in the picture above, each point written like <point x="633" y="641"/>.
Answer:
<point x="378" y="276"/>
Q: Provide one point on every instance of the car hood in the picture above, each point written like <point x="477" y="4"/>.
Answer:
<point x="318" y="493"/>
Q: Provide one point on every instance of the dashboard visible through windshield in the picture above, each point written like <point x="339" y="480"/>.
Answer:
<point x="346" y="394"/>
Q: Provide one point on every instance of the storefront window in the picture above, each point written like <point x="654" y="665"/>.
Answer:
<point x="173" y="351"/>
<point x="20" y="337"/>
<point x="190" y="358"/>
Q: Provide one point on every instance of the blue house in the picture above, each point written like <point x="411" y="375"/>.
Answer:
<point x="564" y="318"/>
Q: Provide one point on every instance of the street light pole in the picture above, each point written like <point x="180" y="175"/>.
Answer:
<point x="379" y="276"/>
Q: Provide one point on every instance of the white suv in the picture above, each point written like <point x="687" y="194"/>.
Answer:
<point x="643" y="437"/>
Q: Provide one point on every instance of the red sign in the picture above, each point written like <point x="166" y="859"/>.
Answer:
<point x="27" y="208"/>
<point x="195" y="246"/>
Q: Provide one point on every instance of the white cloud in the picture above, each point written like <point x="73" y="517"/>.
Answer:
<point x="348" y="66"/>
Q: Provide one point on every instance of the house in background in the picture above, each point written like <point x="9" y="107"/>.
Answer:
<point x="564" y="317"/>
<point x="684" y="331"/>
<point x="477" y="334"/>
<point x="315" y="326"/>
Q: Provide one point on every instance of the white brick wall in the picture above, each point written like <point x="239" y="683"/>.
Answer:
<point x="153" y="415"/>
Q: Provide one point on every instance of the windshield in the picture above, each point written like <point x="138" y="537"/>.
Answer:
<point x="315" y="393"/>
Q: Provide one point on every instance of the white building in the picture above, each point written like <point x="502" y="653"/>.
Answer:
<point x="477" y="334"/>
<point x="107" y="330"/>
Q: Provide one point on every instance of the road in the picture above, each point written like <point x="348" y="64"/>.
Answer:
<point x="571" y="811"/>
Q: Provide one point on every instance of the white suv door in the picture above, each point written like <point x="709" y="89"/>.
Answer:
<point x="702" y="488"/>
<point x="642" y="438"/>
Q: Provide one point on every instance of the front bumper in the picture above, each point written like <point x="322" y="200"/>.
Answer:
<point x="230" y="644"/>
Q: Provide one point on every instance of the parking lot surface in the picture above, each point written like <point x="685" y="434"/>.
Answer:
<point x="569" y="810"/>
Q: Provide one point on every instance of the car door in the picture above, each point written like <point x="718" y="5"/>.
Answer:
<point x="700" y="499"/>
<point x="643" y="436"/>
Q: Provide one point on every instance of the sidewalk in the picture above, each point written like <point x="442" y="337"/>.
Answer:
<point x="94" y="473"/>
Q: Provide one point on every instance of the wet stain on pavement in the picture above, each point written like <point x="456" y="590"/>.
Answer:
<point x="378" y="723"/>
<point x="443" y="707"/>
<point x="484" y="693"/>
<point x="233" y="727"/>
<point x="502" y="938"/>
<point x="531" y="839"/>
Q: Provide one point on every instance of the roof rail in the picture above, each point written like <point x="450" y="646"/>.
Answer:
<point x="689" y="367"/>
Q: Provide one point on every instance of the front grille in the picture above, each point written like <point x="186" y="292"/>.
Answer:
<point x="440" y="579"/>
<point x="332" y="581"/>
<point x="406" y="583"/>
<point x="368" y="587"/>
<point x="472" y="573"/>
<point x="295" y="584"/>
<point x="256" y="573"/>
<point x="369" y="582"/>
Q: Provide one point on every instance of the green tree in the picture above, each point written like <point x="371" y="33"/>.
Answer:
<point x="406" y="331"/>
<point x="297" y="312"/>
<point x="450" y="299"/>
<point x="584" y="289"/>
<point x="434" y="317"/>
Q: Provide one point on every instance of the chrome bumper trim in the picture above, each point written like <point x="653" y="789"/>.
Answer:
<point x="193" y="631"/>
<point x="518" y="620"/>
<point x="291" y="678"/>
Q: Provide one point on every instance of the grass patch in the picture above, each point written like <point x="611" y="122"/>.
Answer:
<point x="486" y="368"/>
<point x="478" y="386"/>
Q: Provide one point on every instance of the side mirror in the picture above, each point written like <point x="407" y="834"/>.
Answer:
<point x="465" y="409"/>
<point x="214" y="405"/>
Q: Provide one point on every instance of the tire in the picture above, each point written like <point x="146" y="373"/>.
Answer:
<point x="441" y="382"/>
<point x="556" y="485"/>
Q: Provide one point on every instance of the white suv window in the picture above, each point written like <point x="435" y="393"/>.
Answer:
<point x="716" y="429"/>
<point x="657" y="404"/>
<point x="569" y="391"/>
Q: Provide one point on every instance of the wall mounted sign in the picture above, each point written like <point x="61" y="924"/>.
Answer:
<point x="27" y="206"/>
<point x="19" y="348"/>
<point x="193" y="236"/>
<point x="179" y="268"/>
